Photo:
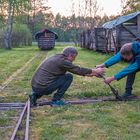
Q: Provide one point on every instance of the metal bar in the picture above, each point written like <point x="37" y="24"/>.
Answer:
<point x="9" y="108"/>
<point x="114" y="91"/>
<point x="5" y="127"/>
<point x="85" y="101"/>
<point x="12" y="104"/>
<point x="18" y="103"/>
<point x="19" y="122"/>
<point x="27" y="121"/>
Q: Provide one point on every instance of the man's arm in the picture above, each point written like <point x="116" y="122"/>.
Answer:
<point x="113" y="60"/>
<point x="127" y="70"/>
<point x="68" y="66"/>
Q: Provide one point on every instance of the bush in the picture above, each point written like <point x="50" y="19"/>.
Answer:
<point x="21" y="35"/>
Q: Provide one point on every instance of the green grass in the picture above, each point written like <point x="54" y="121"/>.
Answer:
<point x="8" y="120"/>
<point x="12" y="60"/>
<point x="102" y="121"/>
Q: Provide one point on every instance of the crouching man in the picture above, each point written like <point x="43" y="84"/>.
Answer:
<point x="131" y="53"/>
<point x="51" y="76"/>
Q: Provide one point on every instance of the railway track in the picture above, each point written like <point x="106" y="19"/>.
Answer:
<point x="92" y="101"/>
<point x="22" y="109"/>
<point x="24" y="114"/>
<point x="22" y="119"/>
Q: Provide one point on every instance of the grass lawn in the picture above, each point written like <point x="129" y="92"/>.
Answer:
<point x="102" y="121"/>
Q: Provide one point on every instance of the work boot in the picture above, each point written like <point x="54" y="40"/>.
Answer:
<point x="127" y="95"/>
<point x="33" y="99"/>
<point x="58" y="103"/>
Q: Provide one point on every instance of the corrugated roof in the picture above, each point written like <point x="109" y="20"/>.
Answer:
<point x="120" y="20"/>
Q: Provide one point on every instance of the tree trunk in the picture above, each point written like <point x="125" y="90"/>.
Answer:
<point x="9" y="27"/>
<point x="7" y="40"/>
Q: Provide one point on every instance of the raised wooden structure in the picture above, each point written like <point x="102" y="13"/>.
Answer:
<point x="46" y="39"/>
<point x="113" y="34"/>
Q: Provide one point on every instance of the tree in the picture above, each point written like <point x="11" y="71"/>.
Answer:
<point x="130" y="6"/>
<point x="39" y="21"/>
<point x="36" y="7"/>
<point x="8" y="9"/>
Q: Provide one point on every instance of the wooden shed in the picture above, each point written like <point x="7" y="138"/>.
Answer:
<point x="88" y="39"/>
<point x="113" y="34"/>
<point x="46" y="39"/>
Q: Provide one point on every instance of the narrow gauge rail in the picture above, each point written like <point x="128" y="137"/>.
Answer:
<point x="92" y="101"/>
<point x="25" y="111"/>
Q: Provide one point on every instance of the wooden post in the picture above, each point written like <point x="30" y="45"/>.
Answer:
<point x="138" y="24"/>
<point x="118" y="36"/>
<point x="96" y="39"/>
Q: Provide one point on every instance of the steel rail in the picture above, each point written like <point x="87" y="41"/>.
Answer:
<point x="27" y="121"/>
<point x="80" y="101"/>
<point x="9" y="108"/>
<point x="93" y="101"/>
<point x="12" y="104"/>
<point x="19" y="121"/>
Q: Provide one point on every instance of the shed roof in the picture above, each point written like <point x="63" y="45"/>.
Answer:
<point x="41" y="32"/>
<point x="120" y="20"/>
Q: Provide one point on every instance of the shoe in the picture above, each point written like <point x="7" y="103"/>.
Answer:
<point x="33" y="100"/>
<point x="127" y="95"/>
<point x="58" y="103"/>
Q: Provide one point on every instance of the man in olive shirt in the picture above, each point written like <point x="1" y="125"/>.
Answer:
<point x="51" y="76"/>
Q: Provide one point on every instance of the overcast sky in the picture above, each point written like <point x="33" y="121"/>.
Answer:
<point x="64" y="7"/>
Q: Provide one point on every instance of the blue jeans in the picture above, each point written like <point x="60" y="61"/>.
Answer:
<point x="60" y="85"/>
<point x="129" y="82"/>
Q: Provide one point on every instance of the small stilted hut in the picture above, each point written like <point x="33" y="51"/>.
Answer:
<point x="46" y="39"/>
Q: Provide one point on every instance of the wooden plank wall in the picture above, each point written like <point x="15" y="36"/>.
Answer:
<point x="100" y="39"/>
<point x="111" y="37"/>
<point x="88" y="39"/>
<point x="46" y="41"/>
<point x="82" y="40"/>
<point x="111" y="40"/>
<point x="138" y="24"/>
<point x="125" y="36"/>
<point x="92" y="40"/>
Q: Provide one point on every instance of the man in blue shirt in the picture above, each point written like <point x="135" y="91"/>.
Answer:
<point x="131" y="53"/>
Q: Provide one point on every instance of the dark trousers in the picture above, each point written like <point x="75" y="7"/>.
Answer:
<point x="60" y="85"/>
<point x="129" y="82"/>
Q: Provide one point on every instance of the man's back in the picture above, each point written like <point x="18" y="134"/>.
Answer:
<point x="49" y="69"/>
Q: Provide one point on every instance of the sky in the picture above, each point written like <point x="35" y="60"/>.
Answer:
<point x="64" y="7"/>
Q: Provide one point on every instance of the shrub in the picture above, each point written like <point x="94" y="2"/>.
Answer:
<point x="21" y="35"/>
